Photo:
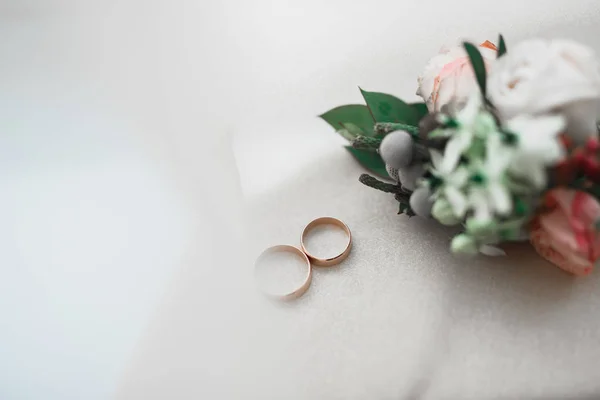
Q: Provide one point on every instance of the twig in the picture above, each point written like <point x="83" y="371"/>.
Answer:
<point x="375" y="183"/>
<point x="383" y="128"/>
<point x="366" y="143"/>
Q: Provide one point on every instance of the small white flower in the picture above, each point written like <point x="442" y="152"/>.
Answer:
<point x="452" y="184"/>
<point x="491" y="251"/>
<point x="443" y="212"/>
<point x="464" y="244"/>
<point x="537" y="146"/>
<point x="462" y="136"/>
<point x="488" y="194"/>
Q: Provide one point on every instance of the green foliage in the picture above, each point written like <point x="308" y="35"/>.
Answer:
<point x="387" y="108"/>
<point x="354" y="118"/>
<point x="420" y="109"/>
<point x="478" y="66"/>
<point x="501" y="46"/>
<point x="370" y="160"/>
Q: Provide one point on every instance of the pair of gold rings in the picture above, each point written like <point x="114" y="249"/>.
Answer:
<point x="308" y="258"/>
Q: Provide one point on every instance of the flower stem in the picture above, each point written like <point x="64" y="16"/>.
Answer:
<point x="383" y="128"/>
<point x="375" y="183"/>
<point x="401" y="195"/>
<point x="366" y="143"/>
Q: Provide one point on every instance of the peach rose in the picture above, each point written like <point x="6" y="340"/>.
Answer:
<point x="449" y="77"/>
<point x="566" y="234"/>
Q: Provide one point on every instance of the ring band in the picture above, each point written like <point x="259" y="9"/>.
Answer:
<point x="300" y="290"/>
<point x="327" y="262"/>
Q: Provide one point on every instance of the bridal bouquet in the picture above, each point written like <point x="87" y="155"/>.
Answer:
<point x="505" y="145"/>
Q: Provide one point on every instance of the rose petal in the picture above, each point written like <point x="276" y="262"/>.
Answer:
<point x="542" y="76"/>
<point x="559" y="231"/>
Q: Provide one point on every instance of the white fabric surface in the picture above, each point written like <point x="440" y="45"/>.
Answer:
<point x="401" y="318"/>
<point x="128" y="238"/>
<point x="103" y="177"/>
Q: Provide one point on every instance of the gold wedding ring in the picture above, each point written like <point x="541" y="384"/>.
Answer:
<point x="309" y="258"/>
<point x="300" y="290"/>
<point x="326" y="262"/>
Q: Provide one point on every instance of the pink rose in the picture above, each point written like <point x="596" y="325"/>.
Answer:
<point x="566" y="235"/>
<point x="449" y="77"/>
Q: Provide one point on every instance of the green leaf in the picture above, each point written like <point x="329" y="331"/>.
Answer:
<point x="387" y="108"/>
<point x="354" y="130"/>
<point x="420" y="109"/>
<point x="370" y="160"/>
<point x="350" y="131"/>
<point x="501" y="46"/>
<point x="356" y="114"/>
<point x="346" y="134"/>
<point x="478" y="66"/>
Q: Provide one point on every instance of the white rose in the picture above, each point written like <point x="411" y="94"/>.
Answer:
<point x="546" y="76"/>
<point x="449" y="76"/>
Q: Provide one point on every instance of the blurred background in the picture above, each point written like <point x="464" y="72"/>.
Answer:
<point x="132" y="132"/>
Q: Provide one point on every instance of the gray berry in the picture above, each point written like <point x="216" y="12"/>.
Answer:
<point x="420" y="202"/>
<point x="392" y="172"/>
<point x="396" y="149"/>
<point x="410" y="175"/>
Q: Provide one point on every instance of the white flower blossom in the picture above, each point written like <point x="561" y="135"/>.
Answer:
<point x="452" y="183"/>
<point x="462" y="136"/>
<point x="488" y="195"/>
<point x="540" y="76"/>
<point x="537" y="146"/>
